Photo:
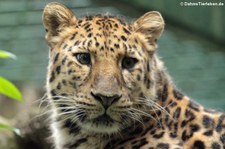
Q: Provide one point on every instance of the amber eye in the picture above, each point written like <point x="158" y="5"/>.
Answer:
<point x="128" y="62"/>
<point x="83" y="58"/>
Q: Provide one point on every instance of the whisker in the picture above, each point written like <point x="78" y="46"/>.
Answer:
<point x="144" y="113"/>
<point x="151" y="103"/>
<point x="136" y="117"/>
<point x="157" y="117"/>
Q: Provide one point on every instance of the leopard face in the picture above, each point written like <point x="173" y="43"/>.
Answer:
<point x="100" y="68"/>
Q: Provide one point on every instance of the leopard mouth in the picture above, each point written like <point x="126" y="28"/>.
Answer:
<point x="103" y="120"/>
<point x="102" y="124"/>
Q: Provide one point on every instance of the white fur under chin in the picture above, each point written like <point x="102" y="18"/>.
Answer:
<point x="60" y="135"/>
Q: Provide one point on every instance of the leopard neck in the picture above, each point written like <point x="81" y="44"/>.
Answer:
<point x="167" y="92"/>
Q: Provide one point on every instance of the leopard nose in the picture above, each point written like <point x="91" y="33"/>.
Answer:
<point x="106" y="101"/>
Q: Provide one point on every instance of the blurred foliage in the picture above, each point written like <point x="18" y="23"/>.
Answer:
<point x="5" y="54"/>
<point x="9" y="89"/>
<point x="7" y="127"/>
<point x="6" y="87"/>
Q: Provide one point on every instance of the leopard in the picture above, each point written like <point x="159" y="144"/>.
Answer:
<point x="108" y="88"/>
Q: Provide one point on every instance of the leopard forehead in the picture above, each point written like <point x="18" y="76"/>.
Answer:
<point x="108" y="24"/>
<point x="108" y="35"/>
<point x="101" y="32"/>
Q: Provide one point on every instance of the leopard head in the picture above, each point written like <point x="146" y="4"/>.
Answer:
<point x="101" y="70"/>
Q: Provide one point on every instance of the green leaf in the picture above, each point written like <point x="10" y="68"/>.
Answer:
<point x="5" y="54"/>
<point x="7" y="127"/>
<point x="10" y="90"/>
<point x="4" y="126"/>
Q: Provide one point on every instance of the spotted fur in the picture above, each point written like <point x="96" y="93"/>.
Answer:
<point x="109" y="90"/>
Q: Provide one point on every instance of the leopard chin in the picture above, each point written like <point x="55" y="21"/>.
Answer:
<point x="103" y="124"/>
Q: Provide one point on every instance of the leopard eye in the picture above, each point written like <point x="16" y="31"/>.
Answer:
<point x="83" y="58"/>
<point x="128" y="62"/>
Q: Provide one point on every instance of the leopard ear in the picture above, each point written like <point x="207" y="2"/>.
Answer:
<point x="55" y="18"/>
<point x="151" y="25"/>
